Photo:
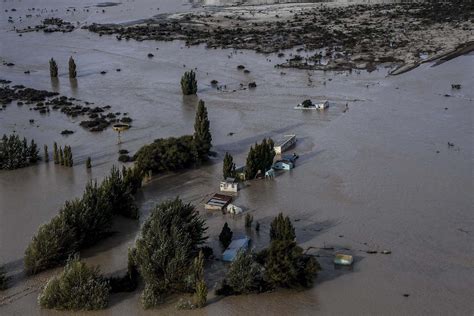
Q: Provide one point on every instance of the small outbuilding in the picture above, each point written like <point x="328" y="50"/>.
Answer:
<point x="235" y="247"/>
<point x="284" y="143"/>
<point x="283" y="164"/>
<point x="229" y="185"/>
<point x="218" y="202"/>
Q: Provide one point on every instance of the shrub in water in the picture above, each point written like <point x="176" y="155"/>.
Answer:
<point x="78" y="287"/>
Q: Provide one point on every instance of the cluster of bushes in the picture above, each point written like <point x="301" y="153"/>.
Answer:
<point x="166" y="251"/>
<point x="167" y="154"/>
<point x="282" y="264"/>
<point x="171" y="154"/>
<point x="82" y="222"/>
<point x="62" y="156"/>
<point x="259" y="158"/>
<point x="78" y="287"/>
<point x="16" y="153"/>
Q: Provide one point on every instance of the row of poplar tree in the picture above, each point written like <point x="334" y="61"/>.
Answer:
<point x="53" y="68"/>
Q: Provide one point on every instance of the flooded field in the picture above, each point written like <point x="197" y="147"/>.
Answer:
<point x="378" y="176"/>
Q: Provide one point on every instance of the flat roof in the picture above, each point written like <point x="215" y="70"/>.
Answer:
<point x="285" y="139"/>
<point x="219" y="199"/>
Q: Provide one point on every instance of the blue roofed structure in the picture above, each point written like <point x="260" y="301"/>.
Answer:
<point x="234" y="248"/>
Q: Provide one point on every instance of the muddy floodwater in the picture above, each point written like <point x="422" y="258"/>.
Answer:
<point x="376" y="175"/>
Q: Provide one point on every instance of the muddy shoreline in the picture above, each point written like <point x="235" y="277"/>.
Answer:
<point x="330" y="37"/>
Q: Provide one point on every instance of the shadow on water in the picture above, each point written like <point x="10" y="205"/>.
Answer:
<point x="308" y="157"/>
<point x="55" y="84"/>
<point x="74" y="86"/>
<point x="124" y="231"/>
<point x="313" y="228"/>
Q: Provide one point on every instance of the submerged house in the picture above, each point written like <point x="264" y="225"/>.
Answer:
<point x="284" y="143"/>
<point x="270" y="174"/>
<point x="229" y="185"/>
<point x="218" y="202"/>
<point x="235" y="247"/>
<point x="283" y="164"/>
<point x="308" y="105"/>
<point x="322" y="105"/>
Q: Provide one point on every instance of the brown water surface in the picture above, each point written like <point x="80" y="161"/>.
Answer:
<point x="379" y="176"/>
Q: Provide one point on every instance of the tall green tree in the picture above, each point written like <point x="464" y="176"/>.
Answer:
<point x="82" y="222"/>
<point x="61" y="156"/>
<point x="55" y="153"/>
<point x="15" y="153"/>
<point x="68" y="160"/>
<point x="245" y="275"/>
<point x="165" y="251"/>
<point x="225" y="237"/>
<point x="55" y="241"/>
<point x="119" y="194"/>
<point x="228" y="168"/>
<point x="95" y="215"/>
<point x="189" y="83"/>
<point x="33" y="152"/>
<point x="259" y="159"/>
<point x="281" y="228"/>
<point x="202" y="133"/>
<point x="199" y="284"/>
<point x="53" y="68"/>
<point x="72" y="68"/>
<point x="287" y="266"/>
<point x="46" y="154"/>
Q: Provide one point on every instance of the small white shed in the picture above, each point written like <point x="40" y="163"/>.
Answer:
<point x="229" y="185"/>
